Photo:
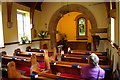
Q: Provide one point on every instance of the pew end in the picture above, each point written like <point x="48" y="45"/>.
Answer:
<point x="13" y="73"/>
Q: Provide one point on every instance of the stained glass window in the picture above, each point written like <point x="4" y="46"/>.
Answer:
<point x="81" y="26"/>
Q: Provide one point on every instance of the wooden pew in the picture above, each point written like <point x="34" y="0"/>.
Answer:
<point x="29" y="49"/>
<point x="80" y="56"/>
<point x="83" y="52"/>
<point x="40" y="56"/>
<point x="13" y="73"/>
<point x="50" y="75"/>
<point x="20" y="61"/>
<point x="82" y="59"/>
<point x="41" y="76"/>
<point x="69" y="65"/>
<point x="39" y="53"/>
<point x="28" y="54"/>
<point x="46" y="75"/>
<point x="67" y="68"/>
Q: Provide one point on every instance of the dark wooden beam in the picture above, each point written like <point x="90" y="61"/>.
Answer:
<point x="38" y="6"/>
<point x="9" y="10"/>
<point x="107" y="4"/>
<point x="99" y="30"/>
<point x="32" y="9"/>
<point x="29" y="4"/>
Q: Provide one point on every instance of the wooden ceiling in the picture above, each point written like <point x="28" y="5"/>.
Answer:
<point x="35" y="5"/>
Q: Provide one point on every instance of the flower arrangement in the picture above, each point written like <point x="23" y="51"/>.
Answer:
<point x="43" y="34"/>
<point x="24" y="39"/>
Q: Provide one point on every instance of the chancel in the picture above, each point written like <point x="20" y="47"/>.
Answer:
<point x="47" y="40"/>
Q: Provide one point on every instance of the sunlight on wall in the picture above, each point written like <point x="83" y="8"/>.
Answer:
<point x="1" y="28"/>
<point x="67" y="24"/>
<point x="112" y="29"/>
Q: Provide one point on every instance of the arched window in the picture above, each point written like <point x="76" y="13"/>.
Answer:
<point x="81" y="28"/>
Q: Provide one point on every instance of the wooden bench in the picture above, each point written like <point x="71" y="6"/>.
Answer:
<point x="82" y="59"/>
<point x="79" y="56"/>
<point x="77" y="52"/>
<point x="20" y="61"/>
<point x="42" y="76"/>
<point x="40" y="54"/>
<point x="69" y="64"/>
<point x="13" y="73"/>
<point x="50" y="51"/>
<point x="68" y="68"/>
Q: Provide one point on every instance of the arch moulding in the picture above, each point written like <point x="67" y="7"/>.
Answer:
<point x="57" y="15"/>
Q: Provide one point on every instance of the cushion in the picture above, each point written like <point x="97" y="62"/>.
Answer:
<point x="26" y="69"/>
<point x="41" y="50"/>
<point x="87" y="52"/>
<point x="52" y="63"/>
<point x="34" y="75"/>
<point x="14" y="58"/>
<point x="29" y="53"/>
<point x="42" y="65"/>
<point x="75" y="66"/>
<point x="23" y="59"/>
<point x="41" y="54"/>
<point x="61" y="79"/>
<point x="104" y="53"/>
<point x="70" y="75"/>
<point x="84" y="57"/>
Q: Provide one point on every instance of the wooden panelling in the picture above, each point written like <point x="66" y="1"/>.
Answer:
<point x="77" y="45"/>
<point x="101" y="30"/>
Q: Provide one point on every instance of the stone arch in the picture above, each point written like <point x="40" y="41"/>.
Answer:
<point x="57" y="15"/>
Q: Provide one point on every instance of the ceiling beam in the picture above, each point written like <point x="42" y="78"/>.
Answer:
<point x="99" y="30"/>
<point x="32" y="10"/>
<point x="29" y="4"/>
<point x="9" y="13"/>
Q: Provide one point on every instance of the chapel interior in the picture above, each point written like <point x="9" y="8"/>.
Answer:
<point x="58" y="36"/>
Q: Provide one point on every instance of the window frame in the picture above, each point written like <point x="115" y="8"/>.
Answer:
<point x="112" y="30"/>
<point x="1" y="28"/>
<point x="24" y="17"/>
<point x="77" y="28"/>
